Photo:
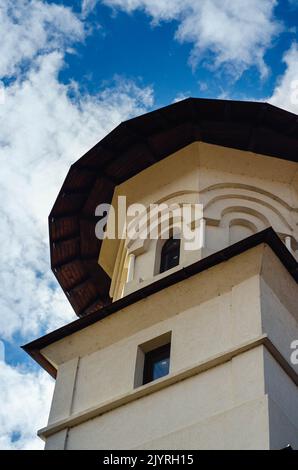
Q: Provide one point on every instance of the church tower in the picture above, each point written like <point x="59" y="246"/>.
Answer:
<point x="180" y="343"/>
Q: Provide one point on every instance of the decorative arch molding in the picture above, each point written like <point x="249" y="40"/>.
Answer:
<point x="240" y="228"/>
<point x="178" y="194"/>
<point x="245" y="223"/>
<point x="140" y="245"/>
<point x="251" y="188"/>
<point x="241" y="197"/>
<point x="239" y="222"/>
<point x="246" y="210"/>
<point x="251" y="222"/>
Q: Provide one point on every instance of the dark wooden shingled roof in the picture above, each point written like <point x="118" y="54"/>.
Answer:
<point x="130" y="148"/>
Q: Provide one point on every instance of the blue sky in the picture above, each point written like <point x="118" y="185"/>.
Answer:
<point x="70" y="71"/>
<point x="154" y="57"/>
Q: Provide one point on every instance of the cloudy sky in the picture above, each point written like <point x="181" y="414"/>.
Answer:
<point x="70" y="71"/>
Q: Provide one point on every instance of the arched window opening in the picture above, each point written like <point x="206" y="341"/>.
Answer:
<point x="170" y="255"/>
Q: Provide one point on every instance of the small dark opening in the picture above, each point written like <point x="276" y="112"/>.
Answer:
<point x="157" y="363"/>
<point x="170" y="255"/>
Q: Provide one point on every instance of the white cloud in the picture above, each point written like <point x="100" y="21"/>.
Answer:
<point x="29" y="27"/>
<point x="88" y="6"/>
<point x="45" y="126"/>
<point x="180" y="97"/>
<point x="26" y="399"/>
<point x="2" y="351"/>
<point x="237" y="33"/>
<point x="285" y="94"/>
<point x="43" y="131"/>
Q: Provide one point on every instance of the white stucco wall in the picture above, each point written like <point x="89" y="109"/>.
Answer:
<point x="228" y="388"/>
<point x="210" y="396"/>
<point x="216" y="311"/>
<point x="240" y="193"/>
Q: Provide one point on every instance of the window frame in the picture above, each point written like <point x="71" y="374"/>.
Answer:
<point x="151" y="358"/>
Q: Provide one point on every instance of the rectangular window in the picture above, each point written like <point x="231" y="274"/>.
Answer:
<point x="156" y="363"/>
<point x="153" y="359"/>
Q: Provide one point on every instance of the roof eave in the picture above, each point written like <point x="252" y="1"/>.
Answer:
<point x="267" y="236"/>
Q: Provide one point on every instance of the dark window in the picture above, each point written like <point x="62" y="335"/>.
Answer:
<point x="170" y="254"/>
<point x="157" y="363"/>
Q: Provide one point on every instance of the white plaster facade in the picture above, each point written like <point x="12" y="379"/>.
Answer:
<point x="241" y="193"/>
<point x="231" y="383"/>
